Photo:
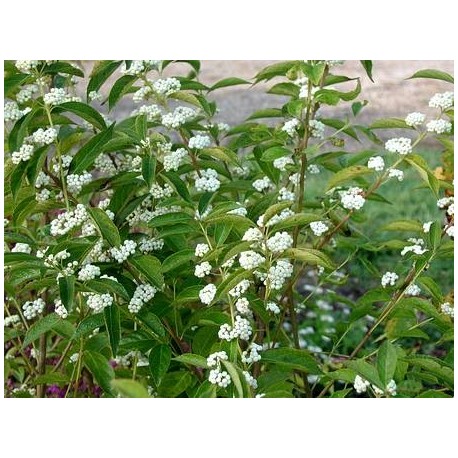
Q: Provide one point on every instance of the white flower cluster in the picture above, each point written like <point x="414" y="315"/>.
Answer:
<point x="26" y="66"/>
<point x="444" y="100"/>
<point x="313" y="169"/>
<point x="199" y="142"/>
<point x="281" y="163"/>
<point x="317" y="129"/>
<point x="11" y="320"/>
<point x="250" y="260"/>
<point x="142" y="295"/>
<point x="95" y="96"/>
<point x="22" y="248"/>
<point x="173" y="160"/>
<point x="252" y="355"/>
<point x="399" y="145"/>
<point x="239" y="288"/>
<point x="201" y="250"/>
<point x="278" y="274"/>
<point x="147" y="245"/>
<point x="124" y="251"/>
<point x="136" y="67"/>
<point x="389" y="278"/>
<point x="76" y="182"/>
<point x="448" y="203"/>
<point x="416" y="248"/>
<point x="447" y="309"/>
<point x="215" y="358"/>
<point x="396" y="173"/>
<point x="360" y="384"/>
<point x="56" y="96"/>
<point x="43" y="195"/>
<point x="352" y="198"/>
<point x="202" y="269"/>
<point x="273" y="307"/>
<point x="285" y="196"/>
<point x="65" y="161"/>
<point x="141" y="94"/>
<point x="279" y="242"/>
<point x="207" y="293"/>
<point x="104" y="163"/>
<point x="12" y="112"/>
<point x="166" y="86"/>
<point x="242" y="330"/>
<point x="42" y="180"/>
<point x="208" y="181"/>
<point x="33" y="309"/>
<point x="253" y="234"/>
<point x="318" y="228"/>
<point x="73" y="358"/>
<point x="390" y="389"/>
<point x="450" y="231"/>
<point x="439" y="126"/>
<point x="24" y="154"/>
<point x="66" y="221"/>
<point x="152" y="112"/>
<point x="290" y="127"/>
<point x="53" y="260"/>
<point x="60" y="309"/>
<point x="250" y="379"/>
<point x="179" y="116"/>
<point x="220" y="378"/>
<point x="205" y="213"/>
<point x="241" y="211"/>
<point x="98" y="302"/>
<point x="377" y="163"/>
<point x="261" y="184"/>
<point x="89" y="272"/>
<point x="412" y="290"/>
<point x="44" y="137"/>
<point x="243" y="306"/>
<point x="427" y="226"/>
<point x="286" y="213"/>
<point x="415" y="119"/>
<point x="161" y="192"/>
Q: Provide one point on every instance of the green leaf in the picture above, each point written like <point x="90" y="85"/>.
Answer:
<point x="119" y="88"/>
<point x="348" y="174"/>
<point x="88" y="324"/>
<point x="67" y="291"/>
<point x="152" y="322"/>
<point x="228" y="82"/>
<point x="271" y="71"/>
<point x="292" y="358"/>
<point x="100" y="73"/>
<point x="403" y="225"/>
<point x="288" y="89"/>
<point x="177" y="259"/>
<point x="192" y="359"/>
<point x="100" y="368"/>
<point x="174" y="383"/>
<point x="309" y="255"/>
<point x="174" y="180"/>
<point x="170" y="219"/>
<point x="150" y="267"/>
<point x="367" y="371"/>
<point x="12" y="82"/>
<point x="113" y="325"/>
<point x="434" y="74"/>
<point x="386" y="362"/>
<point x="297" y="220"/>
<point x="84" y="111"/>
<point x="104" y="285"/>
<point x="275" y="152"/>
<point x="390" y="123"/>
<point x="43" y="325"/>
<point x="159" y="362"/>
<point x="128" y="388"/>
<point x="222" y="154"/>
<point x="367" y="65"/>
<point x="148" y="169"/>
<point x="53" y="377"/>
<point x="86" y="156"/>
<point x="62" y="67"/>
<point x="424" y="171"/>
<point x="266" y="113"/>
<point x="189" y="294"/>
<point x="434" y="367"/>
<point x="107" y="228"/>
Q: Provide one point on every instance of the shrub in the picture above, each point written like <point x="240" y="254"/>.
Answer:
<point x="169" y="254"/>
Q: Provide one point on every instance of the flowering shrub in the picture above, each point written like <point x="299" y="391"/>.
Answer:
<point x="169" y="254"/>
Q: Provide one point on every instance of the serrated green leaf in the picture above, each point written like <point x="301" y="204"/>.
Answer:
<point x="119" y="88"/>
<point x="309" y="255"/>
<point x="84" y="111"/>
<point x="386" y="362"/>
<point x="275" y="152"/>
<point x="348" y="174"/>
<point x="107" y="228"/>
<point x="228" y="82"/>
<point x="88" y="324"/>
<point x="43" y="325"/>
<point x="293" y="358"/>
<point x="100" y="368"/>
<point x="177" y="259"/>
<point x="403" y="225"/>
<point x="159" y="362"/>
<point x="67" y="291"/>
<point x="174" y="383"/>
<point x="128" y="388"/>
<point x="113" y="325"/>
<point x="192" y="359"/>
<point x="389" y="123"/>
<point x="100" y="73"/>
<point x="150" y="267"/>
